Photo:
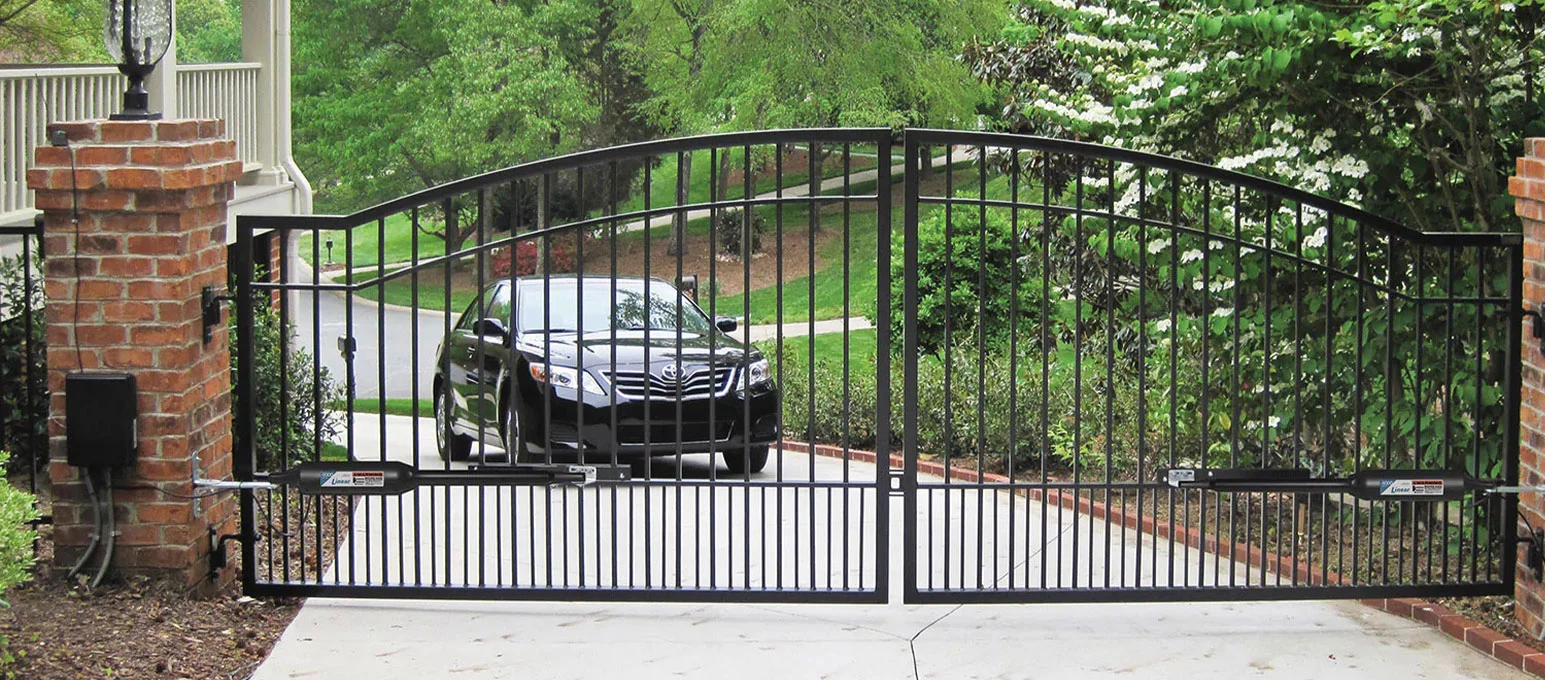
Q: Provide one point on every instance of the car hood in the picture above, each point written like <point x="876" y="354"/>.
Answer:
<point x="635" y="348"/>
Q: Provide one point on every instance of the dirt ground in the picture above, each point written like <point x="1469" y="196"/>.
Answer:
<point x="728" y="271"/>
<point x="61" y="629"/>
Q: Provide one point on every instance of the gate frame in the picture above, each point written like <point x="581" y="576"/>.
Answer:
<point x="915" y="138"/>
<point x="889" y="482"/>
<point x="884" y="484"/>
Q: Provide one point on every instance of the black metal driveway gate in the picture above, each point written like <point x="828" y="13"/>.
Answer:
<point x="1110" y="375"/>
<point x="364" y="379"/>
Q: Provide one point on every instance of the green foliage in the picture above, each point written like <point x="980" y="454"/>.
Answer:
<point x="23" y="423"/>
<point x="1412" y="108"/>
<point x="288" y="424"/>
<point x="17" y="508"/>
<point x="967" y="277"/>
<point x="732" y="228"/>
<point x="51" y="31"/>
<point x="208" y="31"/>
<point x="394" y="97"/>
<point x="749" y="64"/>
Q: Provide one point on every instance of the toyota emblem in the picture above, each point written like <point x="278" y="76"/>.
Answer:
<point x="671" y="372"/>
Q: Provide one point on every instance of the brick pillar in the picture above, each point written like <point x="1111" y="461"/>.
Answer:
<point x="123" y="290"/>
<point x="1528" y="188"/>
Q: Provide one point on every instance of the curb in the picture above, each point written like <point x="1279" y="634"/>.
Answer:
<point x="1457" y="626"/>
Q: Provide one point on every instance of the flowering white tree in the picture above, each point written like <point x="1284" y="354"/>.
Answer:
<point x="1412" y="108"/>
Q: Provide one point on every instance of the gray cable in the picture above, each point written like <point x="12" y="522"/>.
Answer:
<point x="96" y="520"/>
<point x="112" y="531"/>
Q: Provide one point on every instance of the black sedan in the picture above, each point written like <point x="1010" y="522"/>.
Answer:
<point x="585" y="367"/>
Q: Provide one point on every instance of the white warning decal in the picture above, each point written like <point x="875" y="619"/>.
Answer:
<point x="1411" y="487"/>
<point x="353" y="479"/>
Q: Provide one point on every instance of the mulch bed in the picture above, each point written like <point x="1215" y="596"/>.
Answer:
<point x="61" y="629"/>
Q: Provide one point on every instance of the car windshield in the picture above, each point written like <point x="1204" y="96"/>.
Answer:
<point x="603" y="305"/>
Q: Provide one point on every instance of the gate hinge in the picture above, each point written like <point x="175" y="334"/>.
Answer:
<point x="209" y="304"/>
<point x="1538" y="327"/>
<point x="1534" y="557"/>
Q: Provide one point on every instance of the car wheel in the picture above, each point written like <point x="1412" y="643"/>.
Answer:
<point x="746" y="460"/>
<point x="452" y="446"/>
<point x="514" y="443"/>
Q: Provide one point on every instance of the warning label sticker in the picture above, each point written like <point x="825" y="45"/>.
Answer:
<point x="1411" y="487"/>
<point x="353" y="479"/>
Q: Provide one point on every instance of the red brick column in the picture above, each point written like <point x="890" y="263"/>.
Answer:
<point x="1528" y="187"/>
<point x="123" y="290"/>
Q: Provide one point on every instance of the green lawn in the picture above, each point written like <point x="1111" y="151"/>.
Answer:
<point x="861" y="277"/>
<point x="394" y="407"/>
<point x="431" y="290"/>
<point x="861" y="272"/>
<point x="828" y="347"/>
<point x="367" y="245"/>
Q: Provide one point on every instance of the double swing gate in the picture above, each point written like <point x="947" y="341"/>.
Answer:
<point x="710" y="369"/>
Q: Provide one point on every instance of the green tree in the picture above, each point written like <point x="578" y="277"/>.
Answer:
<point x="397" y="96"/>
<point x="208" y="31"/>
<point x="43" y="31"/>
<point x="1412" y="108"/>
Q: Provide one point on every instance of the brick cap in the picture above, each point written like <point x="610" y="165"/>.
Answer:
<point x="119" y="131"/>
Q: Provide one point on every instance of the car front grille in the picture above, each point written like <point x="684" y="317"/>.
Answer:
<point x="667" y="433"/>
<point x="700" y="384"/>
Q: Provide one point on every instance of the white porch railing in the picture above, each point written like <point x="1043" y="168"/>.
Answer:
<point x="33" y="96"/>
<point x="225" y="91"/>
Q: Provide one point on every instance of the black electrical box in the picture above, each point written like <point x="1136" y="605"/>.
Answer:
<point x="101" y="411"/>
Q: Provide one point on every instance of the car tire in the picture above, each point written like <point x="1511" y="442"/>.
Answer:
<point x="452" y="446"/>
<point x="509" y="429"/>
<point x="746" y="460"/>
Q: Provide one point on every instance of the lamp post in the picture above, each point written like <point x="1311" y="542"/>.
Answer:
<point x="137" y="35"/>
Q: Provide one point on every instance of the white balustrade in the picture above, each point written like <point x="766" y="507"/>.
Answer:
<point x="225" y="91"/>
<point x="33" y="96"/>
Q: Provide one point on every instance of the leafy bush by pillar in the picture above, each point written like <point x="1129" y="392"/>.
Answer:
<point x="16" y="510"/>
<point x="288" y="422"/>
<point x="23" y="421"/>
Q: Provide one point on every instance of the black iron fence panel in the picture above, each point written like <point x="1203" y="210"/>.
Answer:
<point x="23" y="353"/>
<point x="1081" y="320"/>
<point x="703" y="311"/>
<point x="1049" y="333"/>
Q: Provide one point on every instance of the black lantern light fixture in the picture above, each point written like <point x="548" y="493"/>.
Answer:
<point x="138" y="33"/>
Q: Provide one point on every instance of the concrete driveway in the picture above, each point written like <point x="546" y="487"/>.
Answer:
<point x="410" y="639"/>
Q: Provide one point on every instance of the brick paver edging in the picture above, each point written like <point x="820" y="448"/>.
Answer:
<point x="1457" y="626"/>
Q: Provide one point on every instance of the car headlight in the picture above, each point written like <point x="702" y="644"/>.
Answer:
<point x="758" y="372"/>
<point x="564" y="376"/>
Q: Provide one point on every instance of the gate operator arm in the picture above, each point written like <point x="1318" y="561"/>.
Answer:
<point x="1371" y="485"/>
<point x="392" y="478"/>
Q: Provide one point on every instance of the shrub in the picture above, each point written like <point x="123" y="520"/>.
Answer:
<point x="730" y="227"/>
<point x="965" y="274"/>
<point x="17" y="509"/>
<point x="529" y="253"/>
<point x="285" y="426"/>
<point x="23" y="423"/>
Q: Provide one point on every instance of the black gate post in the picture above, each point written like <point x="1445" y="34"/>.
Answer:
<point x="909" y="363"/>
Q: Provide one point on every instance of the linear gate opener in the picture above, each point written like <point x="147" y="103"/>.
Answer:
<point x="394" y="478"/>
<point x="1369" y="485"/>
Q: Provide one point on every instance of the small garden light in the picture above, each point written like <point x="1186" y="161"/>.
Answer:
<point x="137" y="35"/>
<point x="329" y="251"/>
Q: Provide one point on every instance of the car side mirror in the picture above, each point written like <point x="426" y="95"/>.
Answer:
<point x="726" y="324"/>
<point x="492" y="327"/>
